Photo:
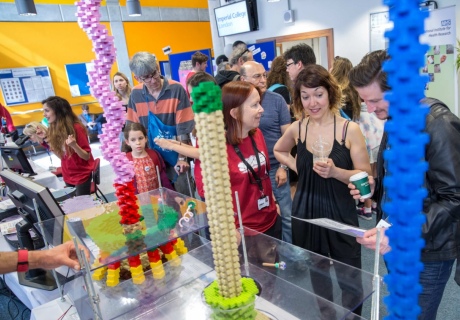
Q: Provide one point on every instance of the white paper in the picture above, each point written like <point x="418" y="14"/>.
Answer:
<point x="28" y="84"/>
<point x="37" y="82"/>
<point x="47" y="83"/>
<point x="32" y="96"/>
<point x="9" y="227"/>
<point x="75" y="90"/>
<point x="383" y="224"/>
<point x="335" y="226"/>
<point x="49" y="92"/>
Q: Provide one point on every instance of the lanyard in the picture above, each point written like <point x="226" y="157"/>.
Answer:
<point x="248" y="166"/>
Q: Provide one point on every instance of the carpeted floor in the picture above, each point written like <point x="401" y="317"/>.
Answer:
<point x="11" y="308"/>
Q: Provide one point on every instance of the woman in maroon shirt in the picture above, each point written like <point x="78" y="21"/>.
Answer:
<point x="68" y="140"/>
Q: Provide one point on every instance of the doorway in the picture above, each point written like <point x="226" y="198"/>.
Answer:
<point x="322" y="42"/>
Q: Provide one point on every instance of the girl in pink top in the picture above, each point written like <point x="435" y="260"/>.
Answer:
<point x="145" y="160"/>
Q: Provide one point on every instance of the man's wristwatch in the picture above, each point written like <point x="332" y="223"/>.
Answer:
<point x="285" y="167"/>
<point x="23" y="260"/>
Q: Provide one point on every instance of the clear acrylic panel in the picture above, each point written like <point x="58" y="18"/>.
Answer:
<point x="285" y="294"/>
<point x="99" y="229"/>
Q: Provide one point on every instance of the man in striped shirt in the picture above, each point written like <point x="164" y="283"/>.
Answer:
<point x="163" y="108"/>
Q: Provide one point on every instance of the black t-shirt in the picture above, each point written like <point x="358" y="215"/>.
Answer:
<point x="283" y="90"/>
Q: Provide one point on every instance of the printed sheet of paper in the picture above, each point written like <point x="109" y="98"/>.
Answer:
<point x="336" y="226"/>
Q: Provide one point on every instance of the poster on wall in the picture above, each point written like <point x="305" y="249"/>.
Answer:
<point x="181" y="64"/>
<point x="440" y="59"/>
<point x="264" y="53"/>
<point x="26" y="85"/>
<point x="77" y="76"/>
<point x="379" y="23"/>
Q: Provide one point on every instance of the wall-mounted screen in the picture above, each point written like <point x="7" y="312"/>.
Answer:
<point x="237" y="17"/>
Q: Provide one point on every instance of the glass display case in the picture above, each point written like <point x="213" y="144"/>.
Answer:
<point x="294" y="283"/>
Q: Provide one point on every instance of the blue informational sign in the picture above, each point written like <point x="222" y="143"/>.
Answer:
<point x="78" y="78"/>
<point x="181" y="64"/>
<point x="264" y="52"/>
<point x="26" y="85"/>
<point x="165" y="70"/>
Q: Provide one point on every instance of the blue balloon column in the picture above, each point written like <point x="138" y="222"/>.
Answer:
<point x="404" y="160"/>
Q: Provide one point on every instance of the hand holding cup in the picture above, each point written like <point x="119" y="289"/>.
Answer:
<point x="362" y="186"/>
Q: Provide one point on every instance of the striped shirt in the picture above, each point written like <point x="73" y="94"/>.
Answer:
<point x="172" y="107"/>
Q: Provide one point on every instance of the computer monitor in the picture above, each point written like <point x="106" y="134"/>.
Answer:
<point x="22" y="191"/>
<point x="16" y="159"/>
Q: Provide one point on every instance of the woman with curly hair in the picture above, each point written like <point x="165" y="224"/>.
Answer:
<point x="68" y="140"/>
<point x="278" y="80"/>
<point x="322" y="190"/>
<point x="351" y="104"/>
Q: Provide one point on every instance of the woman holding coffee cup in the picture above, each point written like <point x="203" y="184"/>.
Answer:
<point x="322" y="190"/>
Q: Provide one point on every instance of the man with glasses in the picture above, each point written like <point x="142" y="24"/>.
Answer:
<point x="239" y="56"/>
<point x="441" y="231"/>
<point x="297" y="57"/>
<point x="274" y="122"/>
<point x="163" y="108"/>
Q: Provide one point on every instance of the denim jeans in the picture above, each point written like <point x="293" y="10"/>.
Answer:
<point x="283" y="197"/>
<point x="433" y="280"/>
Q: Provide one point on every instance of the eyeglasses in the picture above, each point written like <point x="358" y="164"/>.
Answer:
<point x="258" y="76"/>
<point x="289" y="64"/>
<point x="154" y="75"/>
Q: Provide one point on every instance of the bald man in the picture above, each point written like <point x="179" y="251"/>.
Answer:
<point x="275" y="121"/>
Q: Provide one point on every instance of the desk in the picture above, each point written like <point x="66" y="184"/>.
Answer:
<point x="31" y="297"/>
<point x="46" y="178"/>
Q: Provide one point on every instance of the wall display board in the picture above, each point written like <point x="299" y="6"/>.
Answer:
<point x="78" y="79"/>
<point x="165" y="70"/>
<point x="439" y="66"/>
<point x="379" y="23"/>
<point x="264" y="53"/>
<point x="26" y="85"/>
<point x="181" y="64"/>
<point x="440" y="58"/>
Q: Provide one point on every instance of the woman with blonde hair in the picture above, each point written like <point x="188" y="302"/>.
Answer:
<point x="37" y="133"/>
<point x="68" y="140"/>
<point x="121" y="87"/>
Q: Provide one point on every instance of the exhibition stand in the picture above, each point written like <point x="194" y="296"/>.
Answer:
<point x="282" y="271"/>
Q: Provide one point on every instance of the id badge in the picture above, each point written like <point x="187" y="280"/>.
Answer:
<point x="262" y="202"/>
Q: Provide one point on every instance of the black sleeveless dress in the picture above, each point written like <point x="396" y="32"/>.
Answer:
<point x="317" y="197"/>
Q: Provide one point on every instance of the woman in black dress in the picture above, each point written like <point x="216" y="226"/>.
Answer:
<point x="322" y="190"/>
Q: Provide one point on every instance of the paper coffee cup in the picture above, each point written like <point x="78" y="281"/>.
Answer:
<point x="361" y="182"/>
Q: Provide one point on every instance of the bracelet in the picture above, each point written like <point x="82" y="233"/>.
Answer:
<point x="23" y="260"/>
<point x="182" y="159"/>
<point x="285" y="167"/>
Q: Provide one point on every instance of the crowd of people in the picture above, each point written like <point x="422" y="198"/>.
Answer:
<point x="272" y="120"/>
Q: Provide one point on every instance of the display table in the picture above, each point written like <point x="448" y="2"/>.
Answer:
<point x="56" y="307"/>
<point x="288" y="293"/>
<point x="46" y="178"/>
